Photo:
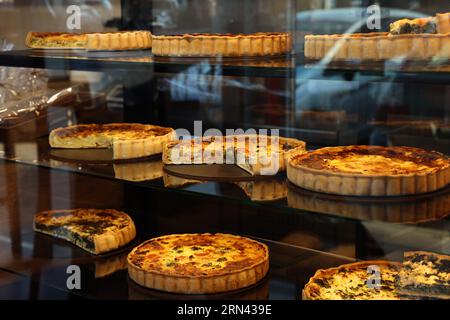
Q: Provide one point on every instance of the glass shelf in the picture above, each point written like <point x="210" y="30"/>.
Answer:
<point x="274" y="67"/>
<point x="392" y="221"/>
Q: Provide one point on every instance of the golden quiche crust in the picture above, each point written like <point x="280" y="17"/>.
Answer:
<point x="198" y="263"/>
<point x="370" y="171"/>
<point x="226" y="45"/>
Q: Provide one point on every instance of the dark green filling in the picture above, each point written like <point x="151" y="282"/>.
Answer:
<point x="63" y="233"/>
<point x="407" y="28"/>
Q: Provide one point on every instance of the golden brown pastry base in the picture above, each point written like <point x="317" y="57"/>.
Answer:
<point x="377" y="46"/>
<point x="226" y="45"/>
<point x="373" y="186"/>
<point x="405" y="210"/>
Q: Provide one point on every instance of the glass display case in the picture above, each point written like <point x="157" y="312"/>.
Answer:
<point x="334" y="86"/>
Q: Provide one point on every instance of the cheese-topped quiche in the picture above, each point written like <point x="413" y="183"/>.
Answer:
<point x="257" y="154"/>
<point x="198" y="263"/>
<point x="127" y="140"/>
<point x="355" y="281"/>
<point x="370" y="170"/>
<point x="425" y="274"/>
<point x="94" y="230"/>
<point x="121" y="40"/>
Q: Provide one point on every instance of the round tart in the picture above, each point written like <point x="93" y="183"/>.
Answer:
<point x="350" y="282"/>
<point x="370" y="171"/>
<point x="226" y="45"/>
<point x="94" y="230"/>
<point x="128" y="140"/>
<point x="198" y="263"/>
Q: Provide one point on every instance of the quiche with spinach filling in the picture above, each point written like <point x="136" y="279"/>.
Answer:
<point x="198" y="263"/>
<point x="94" y="230"/>
<point x="425" y="274"/>
<point x="350" y="282"/>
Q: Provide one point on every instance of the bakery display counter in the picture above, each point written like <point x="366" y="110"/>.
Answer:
<point x="425" y="216"/>
<point x="37" y="263"/>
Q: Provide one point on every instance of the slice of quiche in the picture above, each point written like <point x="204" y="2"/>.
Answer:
<point x="94" y="230"/>
<point x="256" y="154"/>
<point x="127" y="140"/>
<point x="425" y="274"/>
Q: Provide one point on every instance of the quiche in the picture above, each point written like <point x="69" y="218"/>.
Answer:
<point x="425" y="274"/>
<point x="198" y="263"/>
<point x="226" y="45"/>
<point x="121" y="40"/>
<point x="256" y="154"/>
<point x="127" y="140"/>
<point x="370" y="171"/>
<point x="94" y="230"/>
<point x="351" y="282"/>
<point x="418" y="39"/>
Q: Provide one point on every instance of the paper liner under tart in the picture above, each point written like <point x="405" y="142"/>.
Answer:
<point x="407" y="210"/>
<point x="311" y="291"/>
<point x="102" y="243"/>
<point x="205" y="284"/>
<point x="378" y="46"/>
<point x="355" y="184"/>
<point x="226" y="45"/>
